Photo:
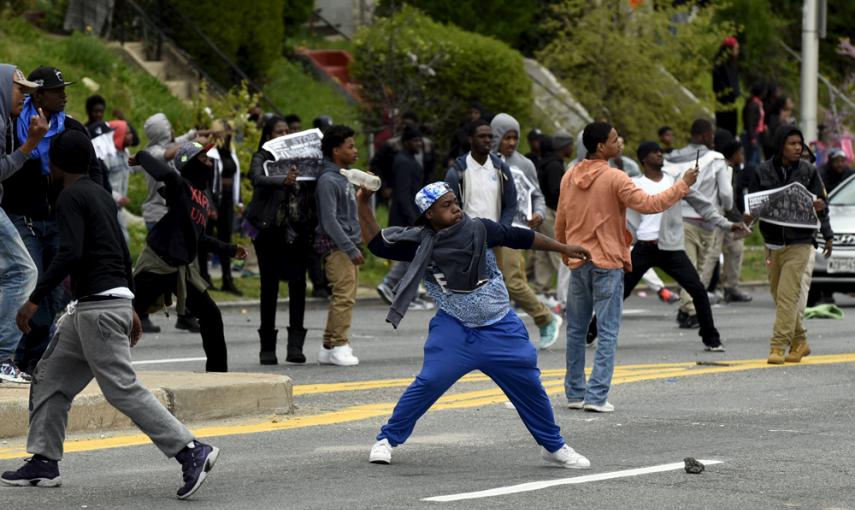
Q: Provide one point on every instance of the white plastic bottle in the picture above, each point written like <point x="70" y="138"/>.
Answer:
<point x="360" y="178"/>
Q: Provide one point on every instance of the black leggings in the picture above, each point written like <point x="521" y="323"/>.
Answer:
<point x="278" y="260"/>
<point x="677" y="265"/>
<point x="150" y="286"/>
<point x="224" y="226"/>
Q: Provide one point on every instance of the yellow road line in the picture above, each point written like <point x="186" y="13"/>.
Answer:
<point x="552" y="381"/>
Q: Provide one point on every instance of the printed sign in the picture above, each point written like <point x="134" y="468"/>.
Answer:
<point x="788" y="206"/>
<point x="299" y="150"/>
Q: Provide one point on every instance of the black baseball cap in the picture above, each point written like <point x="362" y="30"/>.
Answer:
<point x="48" y="78"/>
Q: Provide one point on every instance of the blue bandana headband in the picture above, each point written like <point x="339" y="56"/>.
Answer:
<point x="42" y="151"/>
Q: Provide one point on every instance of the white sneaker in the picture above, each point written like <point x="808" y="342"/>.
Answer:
<point x="386" y="293"/>
<point x="594" y="408"/>
<point x="549" y="332"/>
<point x="566" y="457"/>
<point x="343" y="356"/>
<point x="381" y="452"/>
<point x="324" y="356"/>
<point x="576" y="405"/>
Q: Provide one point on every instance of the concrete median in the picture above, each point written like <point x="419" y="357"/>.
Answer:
<point x="189" y="396"/>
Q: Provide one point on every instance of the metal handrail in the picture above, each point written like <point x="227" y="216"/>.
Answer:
<point x="834" y="91"/>
<point x="185" y="21"/>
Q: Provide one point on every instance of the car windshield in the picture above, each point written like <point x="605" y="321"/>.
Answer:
<point x="845" y="194"/>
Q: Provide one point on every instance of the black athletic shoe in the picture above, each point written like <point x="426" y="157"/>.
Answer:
<point x="195" y="462"/>
<point x="148" y="326"/>
<point x="36" y="472"/>
<point x="591" y="337"/>
<point x="187" y="322"/>
<point x="681" y="316"/>
<point x="736" y="296"/>
<point x="690" y="322"/>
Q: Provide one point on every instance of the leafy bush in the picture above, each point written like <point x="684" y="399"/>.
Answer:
<point x="506" y="21"/>
<point x="410" y="62"/>
<point x="295" y="13"/>
<point x="613" y="59"/>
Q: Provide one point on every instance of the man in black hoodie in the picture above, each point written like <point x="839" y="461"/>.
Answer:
<point x="94" y="336"/>
<point x="788" y="249"/>
<point x="166" y="264"/>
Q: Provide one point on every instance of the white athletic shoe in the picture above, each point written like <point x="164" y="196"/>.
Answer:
<point x="549" y="332"/>
<point x="381" y="452"/>
<point x="324" y="356"/>
<point x="343" y="356"/>
<point x="594" y="408"/>
<point x="567" y="457"/>
<point x="576" y="405"/>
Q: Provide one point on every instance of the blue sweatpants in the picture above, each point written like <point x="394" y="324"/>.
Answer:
<point x="502" y="351"/>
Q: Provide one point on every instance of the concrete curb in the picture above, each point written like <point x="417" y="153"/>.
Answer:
<point x="189" y="396"/>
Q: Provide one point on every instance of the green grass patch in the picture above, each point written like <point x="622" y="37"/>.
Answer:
<point x="136" y="93"/>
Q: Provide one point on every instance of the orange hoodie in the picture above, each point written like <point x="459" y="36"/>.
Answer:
<point x="592" y="211"/>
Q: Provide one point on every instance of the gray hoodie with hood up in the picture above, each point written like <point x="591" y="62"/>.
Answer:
<point x="520" y="166"/>
<point x="159" y="132"/>
<point x="9" y="163"/>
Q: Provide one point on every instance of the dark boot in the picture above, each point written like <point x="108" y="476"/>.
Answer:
<point x="229" y="286"/>
<point x="296" y="337"/>
<point x="267" y="355"/>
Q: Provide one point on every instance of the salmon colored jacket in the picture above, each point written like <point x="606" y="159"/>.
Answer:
<point x="592" y="211"/>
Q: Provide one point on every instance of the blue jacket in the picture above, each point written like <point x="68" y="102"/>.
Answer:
<point x="455" y="178"/>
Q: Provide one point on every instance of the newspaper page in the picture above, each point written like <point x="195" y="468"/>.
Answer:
<point x="301" y="150"/>
<point x="104" y="146"/>
<point x="788" y="206"/>
<point x="525" y="205"/>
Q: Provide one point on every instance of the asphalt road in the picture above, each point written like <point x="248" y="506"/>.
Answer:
<point x="782" y="435"/>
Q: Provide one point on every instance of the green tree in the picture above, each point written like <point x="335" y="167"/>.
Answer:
<point x="505" y="21"/>
<point x="624" y="64"/>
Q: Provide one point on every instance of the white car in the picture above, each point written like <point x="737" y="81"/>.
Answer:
<point x="837" y="274"/>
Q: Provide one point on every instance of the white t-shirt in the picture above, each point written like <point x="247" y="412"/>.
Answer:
<point x="481" y="190"/>
<point x="648" y="228"/>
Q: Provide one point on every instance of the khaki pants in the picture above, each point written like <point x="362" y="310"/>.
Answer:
<point x="513" y="271"/>
<point x="787" y="268"/>
<point x="732" y="249"/>
<point x="807" y="277"/>
<point x="546" y="263"/>
<point x="342" y="275"/>
<point x="699" y="243"/>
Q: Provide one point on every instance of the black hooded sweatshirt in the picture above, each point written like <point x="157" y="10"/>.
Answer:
<point x="176" y="237"/>
<point x="772" y="174"/>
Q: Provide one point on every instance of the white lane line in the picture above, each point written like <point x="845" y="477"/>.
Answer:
<point x="168" y="360"/>
<point x="533" y="486"/>
<point x="634" y="311"/>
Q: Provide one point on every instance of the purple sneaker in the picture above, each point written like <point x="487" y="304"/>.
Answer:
<point x="36" y="472"/>
<point x="196" y="462"/>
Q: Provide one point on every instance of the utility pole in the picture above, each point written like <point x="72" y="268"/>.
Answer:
<point x="810" y="68"/>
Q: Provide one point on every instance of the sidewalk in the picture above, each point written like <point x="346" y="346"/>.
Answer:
<point x="190" y="396"/>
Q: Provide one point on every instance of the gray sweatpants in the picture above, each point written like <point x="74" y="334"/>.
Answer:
<point x="92" y="341"/>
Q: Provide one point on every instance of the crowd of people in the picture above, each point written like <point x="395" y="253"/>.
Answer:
<point x="471" y="235"/>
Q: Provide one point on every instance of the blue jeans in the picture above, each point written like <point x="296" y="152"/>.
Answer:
<point x="41" y="237"/>
<point x="502" y="351"/>
<point x="18" y="276"/>
<point x="592" y="290"/>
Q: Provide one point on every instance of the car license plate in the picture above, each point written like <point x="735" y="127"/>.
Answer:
<point x="841" y="264"/>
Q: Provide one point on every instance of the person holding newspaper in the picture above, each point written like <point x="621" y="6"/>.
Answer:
<point x="788" y="248"/>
